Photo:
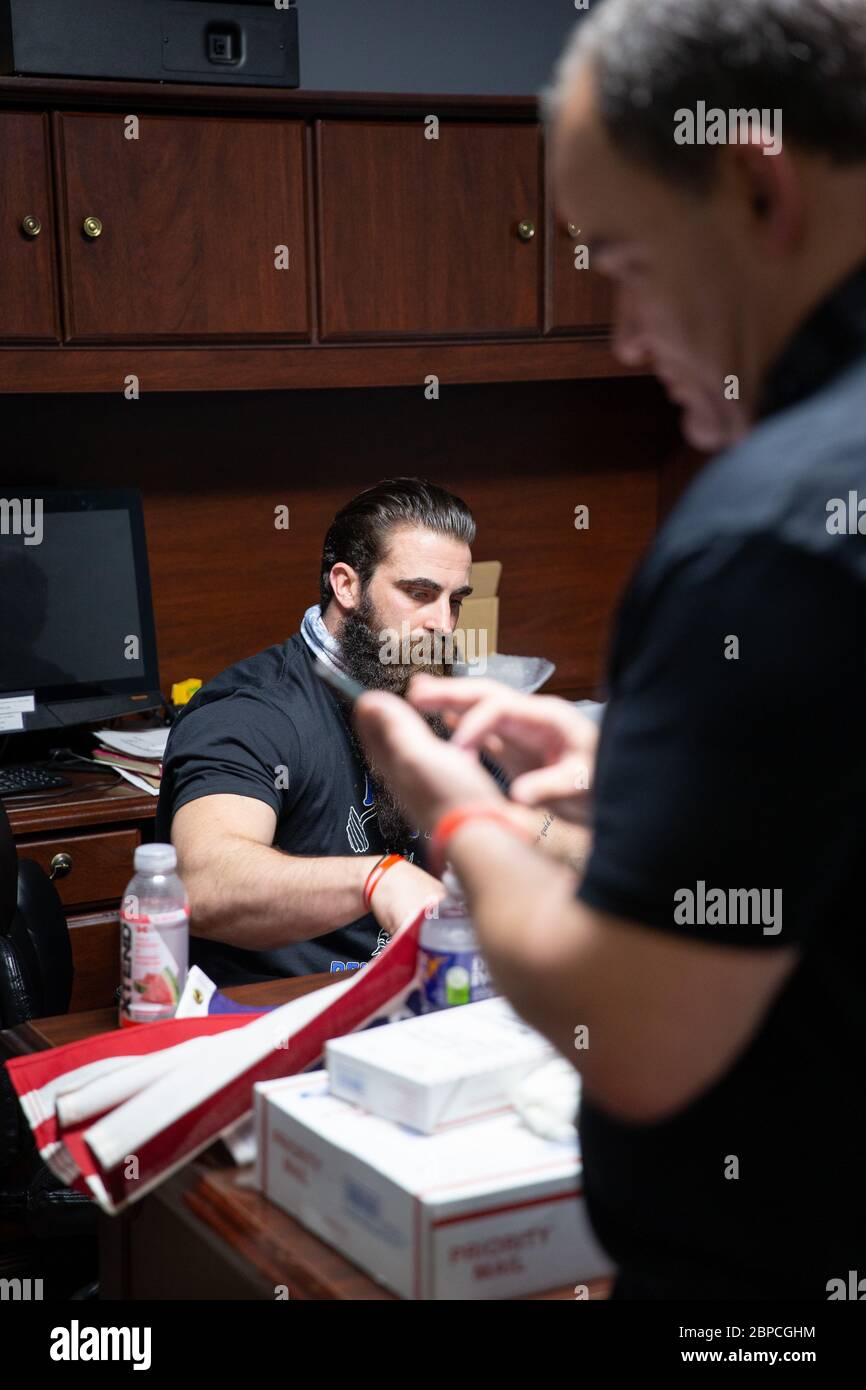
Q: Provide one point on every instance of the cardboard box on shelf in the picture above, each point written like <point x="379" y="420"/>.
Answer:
<point x="485" y="1210"/>
<point x="478" y="631"/>
<point x="439" y="1069"/>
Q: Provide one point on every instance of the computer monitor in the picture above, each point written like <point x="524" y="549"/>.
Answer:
<point x="76" y="615"/>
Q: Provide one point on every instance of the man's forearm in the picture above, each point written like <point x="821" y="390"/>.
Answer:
<point x="254" y="896"/>
<point x="561" y="839"/>
<point x="523" y="906"/>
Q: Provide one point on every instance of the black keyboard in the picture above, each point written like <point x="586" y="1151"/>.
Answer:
<point x="26" y="777"/>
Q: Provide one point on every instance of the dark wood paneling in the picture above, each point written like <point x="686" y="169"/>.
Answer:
<point x="213" y="468"/>
<point x="419" y="236"/>
<point x="193" y="211"/>
<point x="204" y="97"/>
<point x="28" y="302"/>
<point x="577" y="297"/>
<point x="680" y="468"/>
<point x="302" y="368"/>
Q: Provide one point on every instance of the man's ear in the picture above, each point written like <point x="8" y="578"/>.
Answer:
<point x="771" y="193"/>
<point x="345" y="586"/>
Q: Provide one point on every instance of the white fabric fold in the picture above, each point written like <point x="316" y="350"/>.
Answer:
<point x="108" y="1091"/>
<point x="226" y="1056"/>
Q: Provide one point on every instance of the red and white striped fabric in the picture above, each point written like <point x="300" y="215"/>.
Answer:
<point x="115" y="1114"/>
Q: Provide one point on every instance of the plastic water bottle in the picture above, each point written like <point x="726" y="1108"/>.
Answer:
<point x="453" y="970"/>
<point x="154" y="938"/>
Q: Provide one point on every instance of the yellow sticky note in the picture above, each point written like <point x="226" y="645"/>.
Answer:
<point x="183" y="691"/>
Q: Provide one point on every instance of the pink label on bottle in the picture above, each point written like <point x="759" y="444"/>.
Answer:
<point x="151" y="981"/>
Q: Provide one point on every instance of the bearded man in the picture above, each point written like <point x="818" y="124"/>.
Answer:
<point x="277" y="814"/>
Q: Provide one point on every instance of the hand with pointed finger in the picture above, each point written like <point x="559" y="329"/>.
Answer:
<point x="429" y="776"/>
<point x="545" y="745"/>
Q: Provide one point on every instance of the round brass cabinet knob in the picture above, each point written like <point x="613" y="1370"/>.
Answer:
<point x="92" y="227"/>
<point x="30" y="225"/>
<point x="526" y="229"/>
<point x="61" y="865"/>
<point x="573" y="230"/>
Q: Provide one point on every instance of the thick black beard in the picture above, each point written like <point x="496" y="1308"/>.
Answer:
<point x="360" y="648"/>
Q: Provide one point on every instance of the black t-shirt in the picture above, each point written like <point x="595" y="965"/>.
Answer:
<point x="268" y="728"/>
<point x="741" y="764"/>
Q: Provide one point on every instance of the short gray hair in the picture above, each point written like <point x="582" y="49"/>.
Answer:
<point x="652" y="58"/>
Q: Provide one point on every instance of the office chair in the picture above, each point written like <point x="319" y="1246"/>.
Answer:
<point x="35" y="981"/>
<point x="35" y="951"/>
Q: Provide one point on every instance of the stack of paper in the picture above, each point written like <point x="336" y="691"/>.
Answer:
<point x="136" y="756"/>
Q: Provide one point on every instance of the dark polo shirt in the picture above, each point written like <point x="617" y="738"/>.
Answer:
<point x="732" y="757"/>
<point x="268" y="728"/>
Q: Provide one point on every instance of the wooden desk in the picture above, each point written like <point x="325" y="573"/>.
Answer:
<point x="41" y="1033"/>
<point x="206" y="1233"/>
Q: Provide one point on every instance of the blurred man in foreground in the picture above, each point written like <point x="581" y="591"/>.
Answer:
<point x="713" y="950"/>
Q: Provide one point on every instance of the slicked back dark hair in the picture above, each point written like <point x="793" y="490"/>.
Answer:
<point x="806" y="58"/>
<point x="358" y="535"/>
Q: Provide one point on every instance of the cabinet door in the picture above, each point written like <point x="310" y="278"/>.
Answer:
<point x="28" y="302"/>
<point x="195" y="229"/>
<point x="420" y="236"/>
<point x="578" y="297"/>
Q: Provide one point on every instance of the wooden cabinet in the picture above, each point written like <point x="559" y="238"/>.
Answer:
<point x="86" y="869"/>
<point x="97" y="827"/>
<point x="420" y="237"/>
<point x="95" y="942"/>
<point x="28" y="302"/>
<point x="244" y="239"/>
<point x="578" y="298"/>
<point x="89" y="871"/>
<point x="195" y="229"/>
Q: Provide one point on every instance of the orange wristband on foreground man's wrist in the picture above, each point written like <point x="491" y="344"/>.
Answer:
<point x="453" y="820"/>
<point x="385" y="863"/>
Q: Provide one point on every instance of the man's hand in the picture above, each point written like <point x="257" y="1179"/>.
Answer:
<point x="402" y="891"/>
<point x="428" y="775"/>
<point x="543" y="743"/>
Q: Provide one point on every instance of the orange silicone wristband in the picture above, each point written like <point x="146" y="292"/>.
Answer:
<point x="376" y="873"/>
<point x="452" y="821"/>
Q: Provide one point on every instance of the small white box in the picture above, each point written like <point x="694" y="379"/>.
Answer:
<point x="439" y="1069"/>
<point x="485" y="1210"/>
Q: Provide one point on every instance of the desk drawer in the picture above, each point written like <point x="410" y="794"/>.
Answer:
<point x="100" y="866"/>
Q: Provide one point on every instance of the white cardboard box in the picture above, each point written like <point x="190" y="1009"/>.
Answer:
<point x="486" y="1210"/>
<point x="439" y="1069"/>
